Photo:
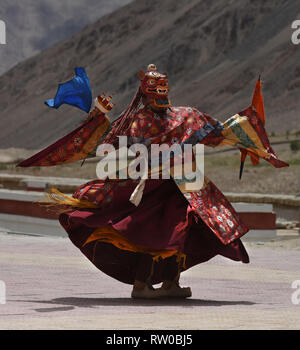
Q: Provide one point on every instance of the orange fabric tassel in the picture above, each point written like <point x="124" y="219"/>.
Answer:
<point x="54" y="196"/>
<point x="109" y="235"/>
<point x="258" y="102"/>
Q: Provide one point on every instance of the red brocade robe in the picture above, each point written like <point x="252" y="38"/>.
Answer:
<point x="195" y="225"/>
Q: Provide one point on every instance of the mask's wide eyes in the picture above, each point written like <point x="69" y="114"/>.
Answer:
<point x="151" y="82"/>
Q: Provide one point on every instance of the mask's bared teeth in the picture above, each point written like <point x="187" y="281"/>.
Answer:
<point x="162" y="91"/>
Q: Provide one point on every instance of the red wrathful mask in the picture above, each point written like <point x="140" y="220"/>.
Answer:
<point x="155" y="86"/>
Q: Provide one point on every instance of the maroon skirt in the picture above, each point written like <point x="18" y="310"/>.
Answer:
<point x="162" y="221"/>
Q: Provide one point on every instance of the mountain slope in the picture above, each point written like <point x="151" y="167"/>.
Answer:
<point x="37" y="24"/>
<point x="212" y="53"/>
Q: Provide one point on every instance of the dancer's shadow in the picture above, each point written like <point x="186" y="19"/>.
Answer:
<point x="75" y="302"/>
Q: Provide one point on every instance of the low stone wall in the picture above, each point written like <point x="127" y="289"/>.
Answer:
<point x="277" y="199"/>
<point x="39" y="183"/>
<point x="285" y="207"/>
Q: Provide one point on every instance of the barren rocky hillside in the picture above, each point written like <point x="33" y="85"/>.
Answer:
<point x="213" y="52"/>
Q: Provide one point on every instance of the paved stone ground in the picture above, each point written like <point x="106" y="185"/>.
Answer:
<point x="51" y="285"/>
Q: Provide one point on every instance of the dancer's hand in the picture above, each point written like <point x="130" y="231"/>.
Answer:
<point x="104" y="103"/>
<point x="102" y="106"/>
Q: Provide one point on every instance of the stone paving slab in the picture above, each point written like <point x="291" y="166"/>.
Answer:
<point x="51" y="285"/>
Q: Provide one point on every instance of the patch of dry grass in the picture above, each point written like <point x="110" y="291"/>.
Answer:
<point x="223" y="170"/>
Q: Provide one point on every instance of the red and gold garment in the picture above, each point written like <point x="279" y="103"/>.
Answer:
<point x="196" y="225"/>
<point x="188" y="125"/>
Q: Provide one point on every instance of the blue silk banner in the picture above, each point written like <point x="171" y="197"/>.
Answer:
<point x="76" y="92"/>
